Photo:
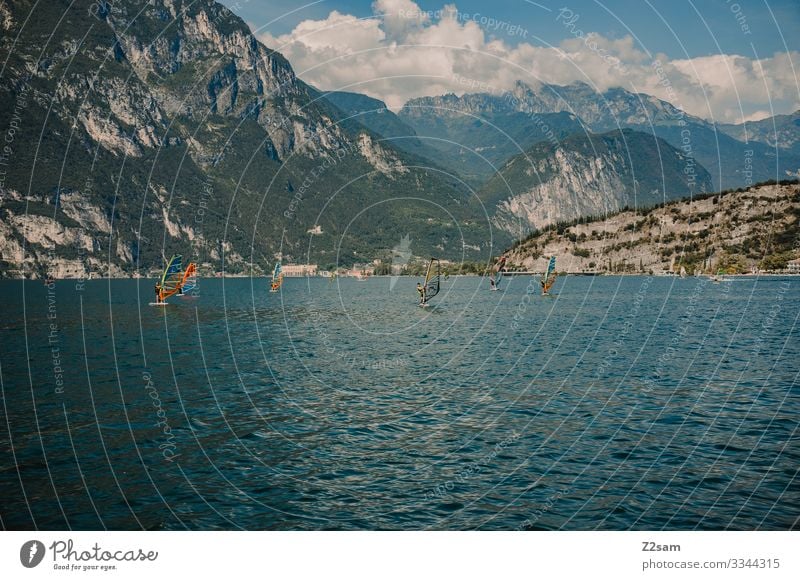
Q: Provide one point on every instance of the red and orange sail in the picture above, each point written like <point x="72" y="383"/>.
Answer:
<point x="175" y="278"/>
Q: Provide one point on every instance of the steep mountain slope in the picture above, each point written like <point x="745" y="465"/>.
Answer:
<point x="589" y="175"/>
<point x="145" y="128"/>
<point x="371" y="113"/>
<point x="475" y="143"/>
<point x="731" y="163"/>
<point x="733" y="231"/>
<point x="781" y="131"/>
<point x="362" y="111"/>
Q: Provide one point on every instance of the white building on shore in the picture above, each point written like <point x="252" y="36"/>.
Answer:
<point x="299" y="270"/>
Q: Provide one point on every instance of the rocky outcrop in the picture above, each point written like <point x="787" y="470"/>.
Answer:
<point x="578" y="186"/>
<point x="205" y="61"/>
<point x="733" y="232"/>
<point x="380" y="158"/>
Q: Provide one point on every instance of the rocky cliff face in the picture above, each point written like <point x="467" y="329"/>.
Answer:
<point x="733" y="232"/>
<point x="137" y="129"/>
<point x="173" y="58"/>
<point x="589" y="176"/>
<point x="578" y="186"/>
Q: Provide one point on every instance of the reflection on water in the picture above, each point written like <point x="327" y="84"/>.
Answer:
<point x="618" y="403"/>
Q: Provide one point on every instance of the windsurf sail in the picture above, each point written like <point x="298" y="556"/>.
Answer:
<point x="549" y="276"/>
<point x="432" y="279"/>
<point x="189" y="281"/>
<point x="277" y="277"/>
<point x="172" y="278"/>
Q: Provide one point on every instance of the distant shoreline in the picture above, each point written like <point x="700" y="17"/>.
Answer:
<point x="562" y="274"/>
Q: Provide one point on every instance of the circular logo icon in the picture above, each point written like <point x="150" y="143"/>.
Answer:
<point x="31" y="553"/>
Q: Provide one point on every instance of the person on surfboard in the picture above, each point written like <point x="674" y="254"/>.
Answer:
<point x="421" y="290"/>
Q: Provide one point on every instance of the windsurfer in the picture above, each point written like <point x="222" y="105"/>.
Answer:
<point x="159" y="298"/>
<point x="421" y="290"/>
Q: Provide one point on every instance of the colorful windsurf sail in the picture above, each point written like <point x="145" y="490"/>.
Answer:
<point x="549" y="276"/>
<point x="189" y="281"/>
<point x="277" y="277"/>
<point x="432" y="279"/>
<point x="172" y="278"/>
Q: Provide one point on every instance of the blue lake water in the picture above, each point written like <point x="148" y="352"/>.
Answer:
<point x="618" y="403"/>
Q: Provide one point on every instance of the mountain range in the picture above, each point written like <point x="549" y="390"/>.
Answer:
<point x="141" y="128"/>
<point x="781" y="132"/>
<point x="147" y="128"/>
<point x="731" y="159"/>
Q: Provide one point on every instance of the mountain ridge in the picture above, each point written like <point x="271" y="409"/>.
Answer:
<point x="731" y="163"/>
<point x="780" y="131"/>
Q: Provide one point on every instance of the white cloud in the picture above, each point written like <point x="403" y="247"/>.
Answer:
<point x="400" y="16"/>
<point x="404" y="52"/>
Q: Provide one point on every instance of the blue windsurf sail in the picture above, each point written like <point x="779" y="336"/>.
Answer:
<point x="549" y="276"/>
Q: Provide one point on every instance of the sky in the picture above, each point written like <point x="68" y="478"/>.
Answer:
<point x="722" y="60"/>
